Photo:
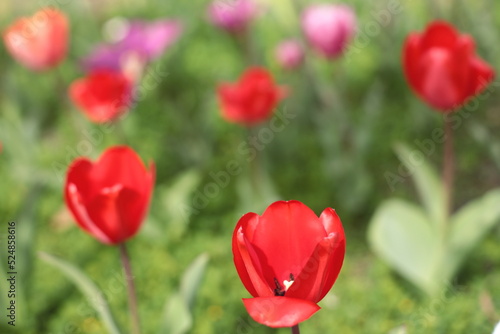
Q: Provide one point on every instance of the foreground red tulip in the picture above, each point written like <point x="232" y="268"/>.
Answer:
<point x="39" y="42"/>
<point x="252" y="99"/>
<point x="109" y="198"/>
<point x="442" y="68"/>
<point x="103" y="96"/>
<point x="288" y="259"/>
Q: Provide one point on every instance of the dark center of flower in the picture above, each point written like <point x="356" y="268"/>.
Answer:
<point x="280" y="290"/>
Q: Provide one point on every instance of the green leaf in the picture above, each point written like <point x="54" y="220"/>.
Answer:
<point x="469" y="226"/>
<point x="402" y="235"/>
<point x="26" y="228"/>
<point x="398" y="330"/>
<point x="256" y="188"/>
<point x="372" y="109"/>
<point x="177" y="317"/>
<point x="192" y="278"/>
<point x="87" y="287"/>
<point x="177" y="201"/>
<point x="427" y="182"/>
<point x="22" y="136"/>
<point x="4" y="286"/>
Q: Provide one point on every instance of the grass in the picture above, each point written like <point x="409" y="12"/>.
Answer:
<point x="177" y="125"/>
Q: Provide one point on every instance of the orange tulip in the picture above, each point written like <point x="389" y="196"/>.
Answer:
<point x="38" y="42"/>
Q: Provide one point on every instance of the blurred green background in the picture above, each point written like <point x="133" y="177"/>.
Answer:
<point x="325" y="157"/>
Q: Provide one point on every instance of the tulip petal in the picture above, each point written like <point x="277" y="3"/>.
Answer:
<point x="230" y="102"/>
<point x="233" y="17"/>
<point x="482" y="75"/>
<point x="237" y="258"/>
<point x="439" y="34"/>
<point x="462" y="74"/>
<point x="285" y="238"/>
<point x="77" y="206"/>
<point x="280" y="311"/>
<point x="438" y="85"/>
<point x="255" y="73"/>
<point x="247" y="264"/>
<point x="310" y="283"/>
<point x="411" y="55"/>
<point x="332" y="224"/>
<point x="109" y="209"/>
<point x="120" y="164"/>
<point x="103" y="95"/>
<point x="78" y="174"/>
<point x="78" y="193"/>
<point x="328" y="28"/>
<point x="252" y="99"/>
<point x="150" y="39"/>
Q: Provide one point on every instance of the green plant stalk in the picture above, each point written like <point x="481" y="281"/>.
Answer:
<point x="132" y="296"/>
<point x="448" y="166"/>
<point x="330" y="118"/>
<point x="255" y="166"/>
<point x="120" y="131"/>
<point x="245" y="44"/>
<point x="295" y="329"/>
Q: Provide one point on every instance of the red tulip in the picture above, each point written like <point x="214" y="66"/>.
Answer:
<point x="288" y="259"/>
<point x="252" y="99"/>
<point x="109" y="198"/>
<point x="103" y="96"/>
<point x="442" y="67"/>
<point x="39" y="42"/>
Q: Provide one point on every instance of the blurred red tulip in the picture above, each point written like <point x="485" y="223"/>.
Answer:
<point x="442" y="68"/>
<point x="109" y="198"/>
<point x="39" y="42"/>
<point x="252" y="99"/>
<point x="288" y="259"/>
<point x="103" y="95"/>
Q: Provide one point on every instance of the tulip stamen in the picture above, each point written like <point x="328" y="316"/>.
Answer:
<point x="279" y="290"/>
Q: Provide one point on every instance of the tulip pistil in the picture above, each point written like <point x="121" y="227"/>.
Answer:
<point x="280" y="291"/>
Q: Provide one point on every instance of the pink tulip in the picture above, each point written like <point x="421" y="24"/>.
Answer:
<point x="289" y="54"/>
<point x="232" y="15"/>
<point x="146" y="40"/>
<point x="328" y="28"/>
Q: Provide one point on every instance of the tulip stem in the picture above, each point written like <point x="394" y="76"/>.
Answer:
<point x="132" y="296"/>
<point x="255" y="165"/>
<point x="121" y="131"/>
<point x="448" y="164"/>
<point x="295" y="329"/>
<point x="244" y="43"/>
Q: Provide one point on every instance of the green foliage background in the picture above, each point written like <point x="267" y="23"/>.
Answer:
<point x="177" y="125"/>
